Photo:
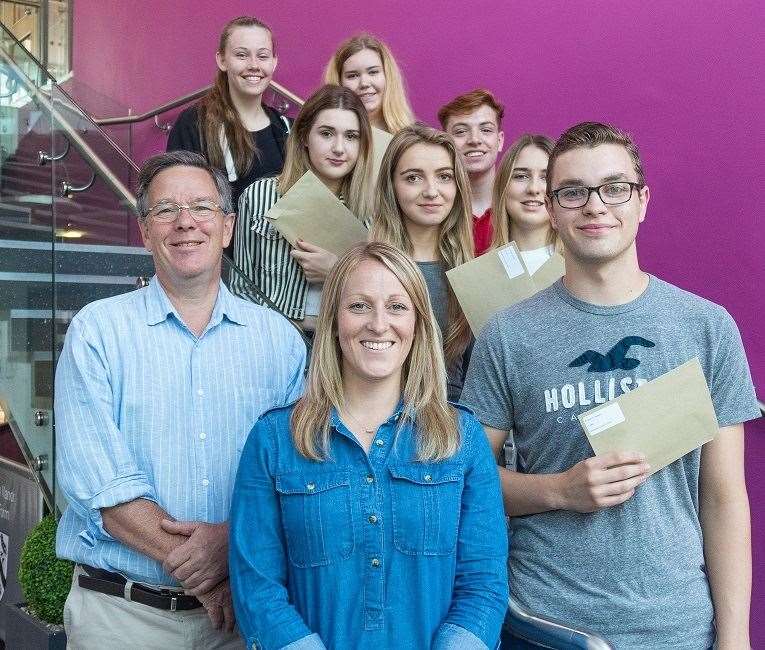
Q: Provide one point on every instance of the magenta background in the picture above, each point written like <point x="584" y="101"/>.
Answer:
<point x="684" y="77"/>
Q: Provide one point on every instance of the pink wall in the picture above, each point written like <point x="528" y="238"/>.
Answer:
<point x="684" y="77"/>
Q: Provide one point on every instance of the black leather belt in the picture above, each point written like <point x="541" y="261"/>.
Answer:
<point x="114" y="584"/>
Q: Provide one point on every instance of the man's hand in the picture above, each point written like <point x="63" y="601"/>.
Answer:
<point x="219" y="606"/>
<point x="201" y="562"/>
<point x="315" y="261"/>
<point x="602" y="481"/>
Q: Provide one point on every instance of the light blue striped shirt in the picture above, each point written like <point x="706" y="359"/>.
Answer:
<point x="146" y="409"/>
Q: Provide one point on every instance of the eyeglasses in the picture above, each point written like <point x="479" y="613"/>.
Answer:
<point x="169" y="211"/>
<point x="609" y="193"/>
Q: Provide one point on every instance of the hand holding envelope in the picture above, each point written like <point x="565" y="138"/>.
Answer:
<point x="311" y="212"/>
<point x="498" y="279"/>
<point x="664" y="418"/>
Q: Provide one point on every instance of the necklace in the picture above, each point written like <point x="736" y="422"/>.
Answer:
<point x="369" y="432"/>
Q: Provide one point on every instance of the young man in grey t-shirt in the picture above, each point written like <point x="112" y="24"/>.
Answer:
<point x="659" y="562"/>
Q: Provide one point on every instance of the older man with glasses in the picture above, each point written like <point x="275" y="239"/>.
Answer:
<point x="156" y="391"/>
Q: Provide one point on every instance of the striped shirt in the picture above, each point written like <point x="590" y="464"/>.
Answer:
<point x="147" y="410"/>
<point x="263" y="254"/>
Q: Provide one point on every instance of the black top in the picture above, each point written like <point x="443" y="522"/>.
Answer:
<point x="269" y="143"/>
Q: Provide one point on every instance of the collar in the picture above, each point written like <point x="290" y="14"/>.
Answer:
<point x="336" y="423"/>
<point x="485" y="215"/>
<point x="159" y="307"/>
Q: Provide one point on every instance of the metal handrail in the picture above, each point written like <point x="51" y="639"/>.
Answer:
<point x="549" y="633"/>
<point x="70" y="132"/>
<point x="180" y="101"/>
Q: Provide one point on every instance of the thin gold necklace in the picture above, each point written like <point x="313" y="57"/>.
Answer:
<point x="369" y="432"/>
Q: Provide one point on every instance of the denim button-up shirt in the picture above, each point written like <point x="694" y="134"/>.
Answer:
<point x="372" y="550"/>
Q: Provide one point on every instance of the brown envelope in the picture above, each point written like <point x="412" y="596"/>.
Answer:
<point x="380" y="141"/>
<point x="664" y="418"/>
<point x="549" y="272"/>
<point x="488" y="283"/>
<point x="311" y="212"/>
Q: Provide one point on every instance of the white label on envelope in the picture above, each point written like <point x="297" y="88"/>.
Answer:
<point x="602" y="419"/>
<point x="511" y="262"/>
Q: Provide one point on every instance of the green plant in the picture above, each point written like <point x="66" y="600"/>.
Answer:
<point x="44" y="579"/>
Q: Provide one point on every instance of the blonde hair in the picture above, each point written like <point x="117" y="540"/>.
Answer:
<point x="216" y="109"/>
<point x="423" y="372"/>
<point x="500" y="218"/>
<point x="396" y="112"/>
<point x="455" y="236"/>
<point x="356" y="187"/>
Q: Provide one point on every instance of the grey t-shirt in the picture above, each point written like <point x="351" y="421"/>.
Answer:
<point x="635" y="572"/>
<point x="435" y="279"/>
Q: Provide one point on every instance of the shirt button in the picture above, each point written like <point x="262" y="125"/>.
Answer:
<point x="375" y="562"/>
<point x="379" y="442"/>
<point x="202" y="436"/>
<point x="200" y="392"/>
<point x="205" y="482"/>
<point x="428" y="477"/>
<point x="372" y="519"/>
<point x="310" y="487"/>
<point x="370" y="478"/>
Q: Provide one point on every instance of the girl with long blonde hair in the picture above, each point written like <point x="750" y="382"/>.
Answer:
<point x="422" y="207"/>
<point x="331" y="137"/>
<point x="518" y="201"/>
<point x="377" y="509"/>
<point x="365" y="64"/>
<point x="231" y="126"/>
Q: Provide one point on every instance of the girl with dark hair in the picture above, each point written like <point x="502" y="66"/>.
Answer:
<point x="331" y="137"/>
<point x="230" y="125"/>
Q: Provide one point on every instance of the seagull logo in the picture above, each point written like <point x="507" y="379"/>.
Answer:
<point x="615" y="359"/>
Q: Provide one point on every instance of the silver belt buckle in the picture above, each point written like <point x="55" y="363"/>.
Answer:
<point x="173" y="603"/>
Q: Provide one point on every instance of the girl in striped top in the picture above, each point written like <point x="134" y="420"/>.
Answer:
<point x="422" y="207"/>
<point x="331" y="137"/>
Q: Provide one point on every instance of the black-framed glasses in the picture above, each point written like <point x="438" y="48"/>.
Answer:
<point x="612" y="193"/>
<point x="169" y="211"/>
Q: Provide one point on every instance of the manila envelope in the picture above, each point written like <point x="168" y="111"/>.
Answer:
<point x="664" y="418"/>
<point x="549" y="272"/>
<point x="311" y="212"/>
<point x="380" y="141"/>
<point x="488" y="283"/>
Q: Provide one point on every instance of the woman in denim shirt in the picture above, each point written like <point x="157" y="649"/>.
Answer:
<point x="368" y="514"/>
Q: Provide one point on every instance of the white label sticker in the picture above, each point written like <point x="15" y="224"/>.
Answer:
<point x="598" y="421"/>
<point x="511" y="262"/>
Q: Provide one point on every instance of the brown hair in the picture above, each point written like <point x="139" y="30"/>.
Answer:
<point x="216" y="109"/>
<point x="159" y="163"/>
<point x="423" y="373"/>
<point x="500" y="218"/>
<point x="396" y="112"/>
<point x="468" y="102"/>
<point x="356" y="187"/>
<point x="589" y="135"/>
<point x="455" y="238"/>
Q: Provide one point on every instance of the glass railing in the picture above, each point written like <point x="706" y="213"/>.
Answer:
<point x="68" y="236"/>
